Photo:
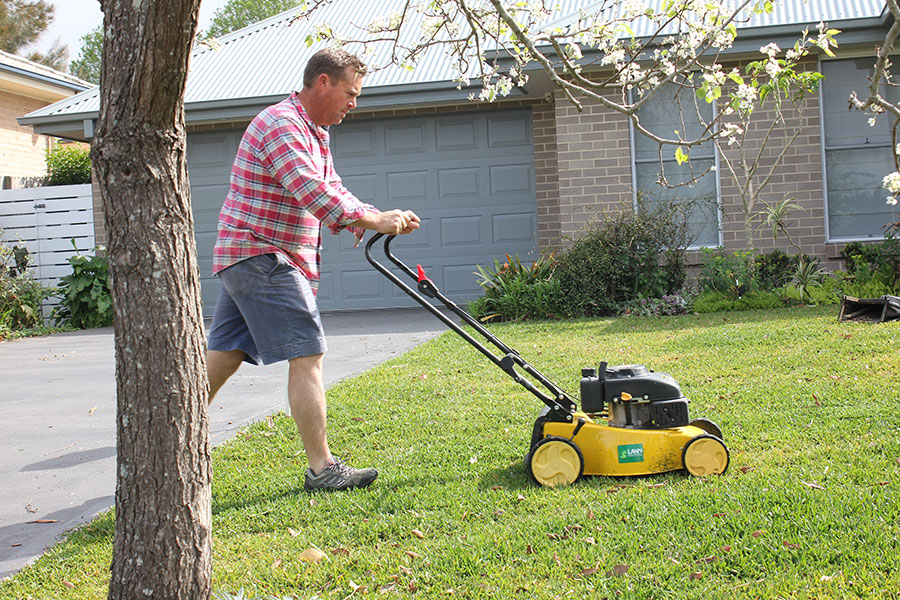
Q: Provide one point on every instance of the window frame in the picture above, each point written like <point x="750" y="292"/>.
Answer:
<point x="824" y="148"/>
<point x="633" y="133"/>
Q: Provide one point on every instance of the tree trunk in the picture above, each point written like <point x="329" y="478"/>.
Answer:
<point x="162" y="536"/>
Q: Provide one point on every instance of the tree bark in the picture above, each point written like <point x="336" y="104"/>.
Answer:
<point x="161" y="547"/>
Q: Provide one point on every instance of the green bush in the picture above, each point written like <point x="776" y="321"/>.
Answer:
<point x="730" y="274"/>
<point x="774" y="269"/>
<point x="514" y="291"/>
<point x="20" y="295"/>
<point x="623" y="258"/>
<point x="86" y="302"/>
<point x="69" y="164"/>
<point x="873" y="267"/>
<point x="712" y="301"/>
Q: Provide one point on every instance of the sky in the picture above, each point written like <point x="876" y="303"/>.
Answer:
<point x="75" y="18"/>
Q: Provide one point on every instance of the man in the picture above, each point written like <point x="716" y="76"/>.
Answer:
<point x="283" y="189"/>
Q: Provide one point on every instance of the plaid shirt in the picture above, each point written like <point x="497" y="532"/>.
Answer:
<point x="283" y="188"/>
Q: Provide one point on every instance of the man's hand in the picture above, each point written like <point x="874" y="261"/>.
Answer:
<point x="391" y="222"/>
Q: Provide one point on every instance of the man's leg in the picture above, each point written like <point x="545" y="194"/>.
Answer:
<point x="306" y="395"/>
<point x="221" y="365"/>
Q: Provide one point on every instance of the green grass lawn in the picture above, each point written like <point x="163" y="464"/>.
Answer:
<point x="809" y="508"/>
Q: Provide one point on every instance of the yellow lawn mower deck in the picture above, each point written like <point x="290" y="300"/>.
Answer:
<point x="632" y="421"/>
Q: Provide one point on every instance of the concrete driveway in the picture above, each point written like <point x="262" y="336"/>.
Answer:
<point x="58" y="429"/>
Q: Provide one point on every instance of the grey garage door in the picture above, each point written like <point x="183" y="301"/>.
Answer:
<point x="470" y="177"/>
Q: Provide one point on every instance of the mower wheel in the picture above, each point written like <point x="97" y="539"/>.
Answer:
<point x="705" y="455"/>
<point x="709" y="427"/>
<point x="555" y="461"/>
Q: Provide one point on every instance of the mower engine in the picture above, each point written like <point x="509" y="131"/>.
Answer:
<point x="637" y="398"/>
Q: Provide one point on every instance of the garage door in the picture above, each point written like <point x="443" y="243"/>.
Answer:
<point x="470" y="177"/>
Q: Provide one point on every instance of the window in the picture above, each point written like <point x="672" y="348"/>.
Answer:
<point x="673" y="108"/>
<point x="857" y="156"/>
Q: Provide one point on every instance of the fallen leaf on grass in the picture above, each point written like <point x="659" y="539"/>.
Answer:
<point x="726" y="548"/>
<point x="412" y="554"/>
<point x="520" y="497"/>
<point x="709" y="559"/>
<point x="361" y="589"/>
<point x="69" y="585"/>
<point x="618" y="571"/>
<point x="276" y="564"/>
<point x="340" y="552"/>
<point x="311" y="555"/>
<point x="418" y="533"/>
<point x="590" y="514"/>
<point x="556" y="559"/>
<point x="656" y="485"/>
<point x="757" y="533"/>
<point x="791" y="546"/>
<point x="293" y="532"/>
<point x="270" y="422"/>
<point x="746" y="470"/>
<point x="590" y="540"/>
<point x="496" y="487"/>
<point x="695" y="576"/>
<point x="388" y="587"/>
<point x="588" y="572"/>
<point x="529" y="549"/>
<point x="814" y="486"/>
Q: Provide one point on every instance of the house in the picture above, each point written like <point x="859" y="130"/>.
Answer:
<point x="525" y="173"/>
<point x="26" y="86"/>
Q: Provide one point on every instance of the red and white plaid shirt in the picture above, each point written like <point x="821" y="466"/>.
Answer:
<point x="283" y="189"/>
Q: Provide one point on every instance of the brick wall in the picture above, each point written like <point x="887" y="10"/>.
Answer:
<point x="21" y="150"/>
<point x="594" y="160"/>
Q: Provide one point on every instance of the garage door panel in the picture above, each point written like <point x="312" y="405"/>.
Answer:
<point x="405" y="138"/>
<point x="353" y="140"/>
<point x="511" y="179"/>
<point x="407" y="185"/>
<point x="364" y="186"/>
<point x="458" y="182"/>
<point x="512" y="228"/>
<point x="505" y="131"/>
<point x="459" y="281"/>
<point x="461" y="231"/>
<point x="457" y="135"/>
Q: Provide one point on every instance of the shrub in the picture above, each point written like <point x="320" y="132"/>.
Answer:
<point x="623" y="258"/>
<point x="774" y="269"/>
<point x="514" y="291"/>
<point x="731" y="275"/>
<point x="671" y="304"/>
<point x="873" y="266"/>
<point x="69" y="164"/>
<point x="712" y="301"/>
<point x="20" y="295"/>
<point x="86" y="302"/>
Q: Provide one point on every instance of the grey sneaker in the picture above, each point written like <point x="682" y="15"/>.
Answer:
<point x="339" y="476"/>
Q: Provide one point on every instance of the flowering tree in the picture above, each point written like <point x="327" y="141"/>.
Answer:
<point x="874" y="102"/>
<point x="620" y="54"/>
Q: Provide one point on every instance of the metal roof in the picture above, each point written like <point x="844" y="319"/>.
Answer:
<point x="18" y="65"/>
<point x="266" y="60"/>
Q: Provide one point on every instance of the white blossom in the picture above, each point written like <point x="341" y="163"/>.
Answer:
<point x="892" y="182"/>
<point x="770" y="49"/>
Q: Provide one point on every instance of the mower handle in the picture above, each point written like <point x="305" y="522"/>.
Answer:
<point x="557" y="400"/>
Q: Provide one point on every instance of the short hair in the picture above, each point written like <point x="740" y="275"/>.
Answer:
<point x="331" y="62"/>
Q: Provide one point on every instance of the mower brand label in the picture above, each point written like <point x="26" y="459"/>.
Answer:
<point x="631" y="453"/>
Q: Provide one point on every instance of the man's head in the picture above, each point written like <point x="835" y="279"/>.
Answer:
<point x="333" y="62"/>
<point x="331" y="83"/>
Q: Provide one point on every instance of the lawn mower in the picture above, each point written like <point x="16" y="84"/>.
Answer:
<point x="632" y="421"/>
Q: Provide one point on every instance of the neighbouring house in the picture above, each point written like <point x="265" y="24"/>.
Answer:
<point x="27" y="86"/>
<point x="526" y="173"/>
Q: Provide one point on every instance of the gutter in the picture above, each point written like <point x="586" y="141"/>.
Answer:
<point x="43" y="78"/>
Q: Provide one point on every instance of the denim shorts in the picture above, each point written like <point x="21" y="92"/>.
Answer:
<point x="266" y="309"/>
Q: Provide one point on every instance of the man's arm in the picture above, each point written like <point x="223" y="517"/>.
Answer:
<point x="391" y="222"/>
